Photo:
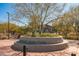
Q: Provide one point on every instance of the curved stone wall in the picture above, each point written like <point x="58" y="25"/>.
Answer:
<point x="46" y="39"/>
<point x="56" y="45"/>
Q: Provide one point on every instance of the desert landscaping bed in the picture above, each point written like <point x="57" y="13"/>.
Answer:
<point x="5" y="50"/>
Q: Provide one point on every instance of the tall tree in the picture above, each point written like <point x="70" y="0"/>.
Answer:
<point x="68" y="23"/>
<point x="38" y="14"/>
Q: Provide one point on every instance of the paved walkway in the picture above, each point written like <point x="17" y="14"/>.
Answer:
<point x="5" y="49"/>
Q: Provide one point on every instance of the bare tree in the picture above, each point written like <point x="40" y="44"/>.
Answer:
<point x="38" y="14"/>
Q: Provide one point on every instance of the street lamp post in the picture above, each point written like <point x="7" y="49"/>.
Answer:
<point x="8" y="24"/>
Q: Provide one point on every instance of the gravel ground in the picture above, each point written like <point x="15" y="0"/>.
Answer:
<point x="5" y="49"/>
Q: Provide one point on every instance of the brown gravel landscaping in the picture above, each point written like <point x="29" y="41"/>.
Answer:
<point x="5" y="49"/>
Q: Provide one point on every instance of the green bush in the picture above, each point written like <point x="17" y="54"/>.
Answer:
<point x="49" y="35"/>
<point x="42" y="35"/>
<point x="73" y="36"/>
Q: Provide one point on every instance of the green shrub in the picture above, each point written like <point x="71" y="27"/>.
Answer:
<point x="73" y="36"/>
<point x="49" y="35"/>
<point x="42" y="35"/>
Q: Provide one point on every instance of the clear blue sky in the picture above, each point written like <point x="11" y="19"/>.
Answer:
<point x="6" y="7"/>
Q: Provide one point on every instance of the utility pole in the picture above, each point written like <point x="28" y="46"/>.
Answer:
<point x="8" y="23"/>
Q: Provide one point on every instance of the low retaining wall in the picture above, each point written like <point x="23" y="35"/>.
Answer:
<point x="42" y="47"/>
<point x="46" y="39"/>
